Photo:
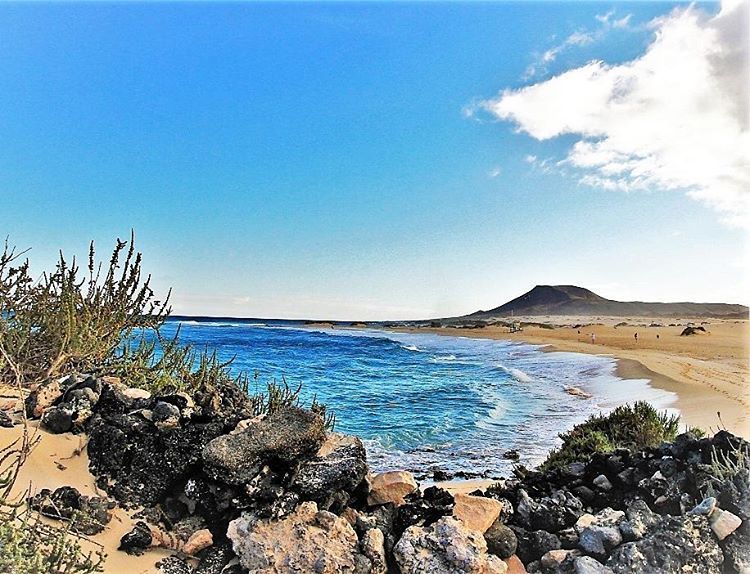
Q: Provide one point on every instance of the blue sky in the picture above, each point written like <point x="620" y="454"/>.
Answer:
<point x="349" y="160"/>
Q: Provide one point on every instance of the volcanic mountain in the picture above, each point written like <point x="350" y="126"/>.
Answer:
<point x="572" y="300"/>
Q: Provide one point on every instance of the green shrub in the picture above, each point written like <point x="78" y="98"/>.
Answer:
<point x="29" y="545"/>
<point x="68" y="320"/>
<point x="635" y="426"/>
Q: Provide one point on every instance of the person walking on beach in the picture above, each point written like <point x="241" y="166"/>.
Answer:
<point x="636" y="337"/>
<point x="593" y="338"/>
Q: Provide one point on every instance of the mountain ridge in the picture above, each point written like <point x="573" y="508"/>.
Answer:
<point x="574" y="300"/>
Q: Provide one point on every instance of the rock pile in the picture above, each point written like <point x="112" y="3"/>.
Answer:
<point x="231" y="493"/>
<point x="669" y="509"/>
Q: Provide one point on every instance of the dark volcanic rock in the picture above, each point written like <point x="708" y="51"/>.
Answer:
<point x="137" y="540"/>
<point x="282" y="437"/>
<point x="533" y="545"/>
<point x="423" y="508"/>
<point x="214" y="559"/>
<point x="140" y="464"/>
<point x="339" y="467"/>
<point x="501" y="540"/>
<point x="174" y="565"/>
<point x="550" y="513"/>
<point x="5" y="420"/>
<point x="89" y="515"/>
<point x="675" y="544"/>
<point x="736" y="548"/>
<point x="58" y="419"/>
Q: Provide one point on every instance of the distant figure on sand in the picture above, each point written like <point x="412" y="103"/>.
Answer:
<point x="593" y="338"/>
<point x="636" y="337"/>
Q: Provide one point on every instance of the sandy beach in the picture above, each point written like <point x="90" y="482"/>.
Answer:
<point x="709" y="372"/>
<point x="61" y="460"/>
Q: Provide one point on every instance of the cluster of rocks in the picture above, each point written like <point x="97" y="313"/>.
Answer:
<point x="682" y="507"/>
<point x="231" y="493"/>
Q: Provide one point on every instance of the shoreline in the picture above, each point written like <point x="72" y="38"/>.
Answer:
<point x="703" y="383"/>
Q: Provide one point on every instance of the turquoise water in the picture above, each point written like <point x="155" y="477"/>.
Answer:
<point x="423" y="401"/>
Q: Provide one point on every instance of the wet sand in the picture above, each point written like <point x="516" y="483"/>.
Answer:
<point x="709" y="372"/>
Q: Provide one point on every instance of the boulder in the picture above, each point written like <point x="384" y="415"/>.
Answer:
<point x="550" y="513"/>
<point x="137" y="540"/>
<point x="308" y="540"/>
<point x="339" y="466"/>
<point x="283" y="437"/>
<point x="674" y="544"/>
<point x="58" y="419"/>
<point x="445" y="547"/>
<point x="422" y="508"/>
<point x="391" y="487"/>
<point x="532" y="545"/>
<point x="373" y="548"/>
<point x="43" y="397"/>
<point x="501" y="540"/>
<point x="476" y="512"/>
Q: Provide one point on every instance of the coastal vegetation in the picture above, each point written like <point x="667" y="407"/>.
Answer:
<point x="241" y="480"/>
<point x="637" y="426"/>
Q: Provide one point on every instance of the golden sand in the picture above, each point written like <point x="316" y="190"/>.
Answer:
<point x="709" y="373"/>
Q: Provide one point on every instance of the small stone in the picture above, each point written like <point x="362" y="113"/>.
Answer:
<point x="515" y="566"/>
<point x="568" y="538"/>
<point x="137" y="540"/>
<point x="587" y="565"/>
<point x="391" y="487"/>
<point x="199" y="540"/>
<point x="723" y="523"/>
<point x="5" y="420"/>
<point x="555" y="558"/>
<point x="705" y="508"/>
<point x="584" y="521"/>
<point x="476" y="512"/>
<point x="134" y="393"/>
<point x="598" y="541"/>
<point x="602" y="482"/>
<point x="163" y="411"/>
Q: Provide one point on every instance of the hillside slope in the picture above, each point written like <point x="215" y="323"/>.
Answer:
<point x="572" y="300"/>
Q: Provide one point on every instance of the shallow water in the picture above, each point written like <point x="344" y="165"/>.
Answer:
<point x="424" y="401"/>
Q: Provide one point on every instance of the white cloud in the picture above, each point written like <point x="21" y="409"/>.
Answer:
<point x="674" y="118"/>
<point x="494" y="172"/>
<point x="608" y="20"/>
<point x="539" y="66"/>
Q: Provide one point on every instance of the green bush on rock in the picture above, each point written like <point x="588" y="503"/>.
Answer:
<point x="635" y="426"/>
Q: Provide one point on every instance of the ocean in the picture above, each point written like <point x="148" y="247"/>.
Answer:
<point x="425" y="402"/>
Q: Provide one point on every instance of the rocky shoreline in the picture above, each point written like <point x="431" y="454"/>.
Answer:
<point x="230" y="492"/>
